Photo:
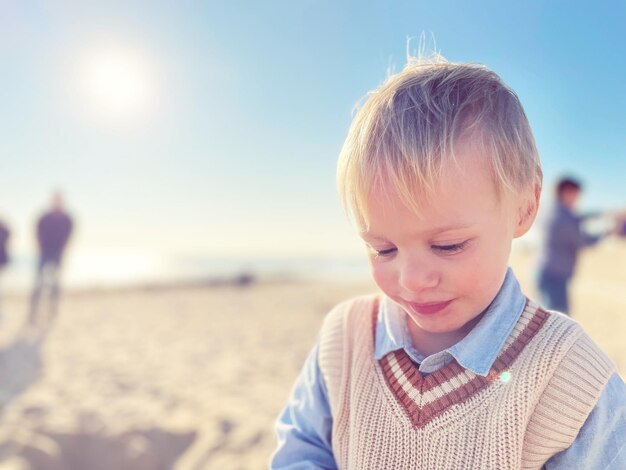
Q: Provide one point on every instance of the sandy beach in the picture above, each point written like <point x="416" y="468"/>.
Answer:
<point x="193" y="377"/>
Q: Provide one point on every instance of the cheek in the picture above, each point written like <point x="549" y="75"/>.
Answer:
<point x="483" y="275"/>
<point x="384" y="276"/>
<point x="467" y="275"/>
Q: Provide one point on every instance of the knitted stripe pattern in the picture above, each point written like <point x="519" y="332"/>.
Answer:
<point x="531" y="405"/>
<point x="425" y="398"/>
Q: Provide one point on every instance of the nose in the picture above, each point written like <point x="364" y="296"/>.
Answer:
<point x="417" y="276"/>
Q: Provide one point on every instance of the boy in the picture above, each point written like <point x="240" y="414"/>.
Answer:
<point x="451" y="368"/>
<point x="563" y="239"/>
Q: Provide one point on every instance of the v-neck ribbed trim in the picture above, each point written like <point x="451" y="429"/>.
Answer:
<point x="424" y="398"/>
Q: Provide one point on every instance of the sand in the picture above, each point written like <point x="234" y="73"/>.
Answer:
<point x="193" y="377"/>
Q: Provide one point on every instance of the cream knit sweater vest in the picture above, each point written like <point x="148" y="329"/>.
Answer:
<point x="387" y="416"/>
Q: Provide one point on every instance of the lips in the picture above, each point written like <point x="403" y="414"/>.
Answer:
<point x="429" y="308"/>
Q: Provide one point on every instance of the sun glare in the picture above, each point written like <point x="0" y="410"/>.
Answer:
<point x="118" y="85"/>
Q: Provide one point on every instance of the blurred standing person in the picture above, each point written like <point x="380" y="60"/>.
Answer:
<point x="4" y="256"/>
<point x="53" y="231"/>
<point x="621" y="224"/>
<point x="4" y="238"/>
<point x="563" y="237"/>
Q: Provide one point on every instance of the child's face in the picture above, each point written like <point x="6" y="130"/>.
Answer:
<point x="445" y="266"/>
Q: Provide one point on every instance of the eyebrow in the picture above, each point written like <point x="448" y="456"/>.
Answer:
<point x="368" y="237"/>
<point x="365" y="235"/>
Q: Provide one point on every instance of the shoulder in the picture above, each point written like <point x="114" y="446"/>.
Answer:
<point x="580" y="364"/>
<point x="586" y="364"/>
<point x="569" y="374"/>
<point x="349" y="315"/>
<point x="348" y="319"/>
<point x="580" y="341"/>
<point x="540" y="328"/>
<point x="348" y="308"/>
<point x="557" y="327"/>
<point x="346" y="328"/>
<point x="557" y="346"/>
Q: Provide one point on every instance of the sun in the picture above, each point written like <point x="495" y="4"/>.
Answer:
<point x="118" y="84"/>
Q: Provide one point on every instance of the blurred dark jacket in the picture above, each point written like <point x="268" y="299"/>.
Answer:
<point x="53" y="232"/>
<point x="563" y="239"/>
<point x="4" y="238"/>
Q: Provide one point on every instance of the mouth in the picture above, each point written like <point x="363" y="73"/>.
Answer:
<point x="428" y="308"/>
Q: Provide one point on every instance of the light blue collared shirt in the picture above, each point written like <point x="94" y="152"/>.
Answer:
<point x="304" y="427"/>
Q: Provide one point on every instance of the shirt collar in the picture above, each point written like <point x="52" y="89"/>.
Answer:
<point x="392" y="332"/>
<point x="478" y="350"/>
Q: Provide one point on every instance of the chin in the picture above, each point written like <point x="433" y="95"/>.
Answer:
<point x="442" y="329"/>
<point x="435" y="325"/>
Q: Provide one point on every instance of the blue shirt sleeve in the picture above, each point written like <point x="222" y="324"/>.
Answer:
<point x="601" y="442"/>
<point x="304" y="426"/>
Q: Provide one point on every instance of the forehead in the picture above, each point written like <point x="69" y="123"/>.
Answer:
<point x="463" y="196"/>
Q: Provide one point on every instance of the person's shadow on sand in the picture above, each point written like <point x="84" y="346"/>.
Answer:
<point x="20" y="364"/>
<point x="145" y="449"/>
<point x="42" y="449"/>
<point x="42" y="313"/>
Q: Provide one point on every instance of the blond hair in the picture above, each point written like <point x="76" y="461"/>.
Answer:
<point x="407" y="129"/>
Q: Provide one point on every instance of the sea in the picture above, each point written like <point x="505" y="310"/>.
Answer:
<point x="123" y="270"/>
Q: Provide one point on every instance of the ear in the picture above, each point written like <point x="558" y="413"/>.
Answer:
<point x="527" y="211"/>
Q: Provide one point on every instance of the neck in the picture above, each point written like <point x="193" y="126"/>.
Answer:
<point x="429" y="343"/>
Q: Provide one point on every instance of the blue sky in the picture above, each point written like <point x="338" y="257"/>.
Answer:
<point x="233" y="149"/>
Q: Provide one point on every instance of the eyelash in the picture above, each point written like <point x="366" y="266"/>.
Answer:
<point x="383" y="253"/>
<point x="444" y="249"/>
<point x="451" y="249"/>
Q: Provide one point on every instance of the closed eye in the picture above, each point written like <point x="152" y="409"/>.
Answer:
<point x="451" y="249"/>
<point x="383" y="253"/>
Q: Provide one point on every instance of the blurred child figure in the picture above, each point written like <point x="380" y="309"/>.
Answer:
<point x="53" y="232"/>
<point x="620" y="226"/>
<point x="563" y="237"/>
<point x="452" y="366"/>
